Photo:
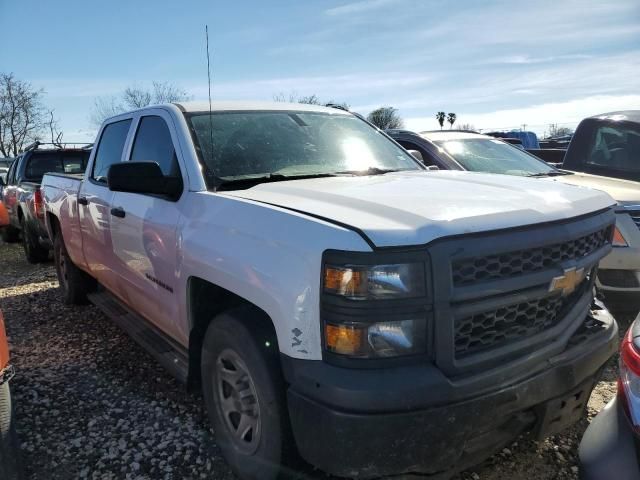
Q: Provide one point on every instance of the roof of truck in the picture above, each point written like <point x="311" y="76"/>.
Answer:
<point x="628" y="115"/>
<point x="247" y="106"/>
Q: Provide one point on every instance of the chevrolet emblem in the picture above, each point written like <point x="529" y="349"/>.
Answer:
<point x="568" y="282"/>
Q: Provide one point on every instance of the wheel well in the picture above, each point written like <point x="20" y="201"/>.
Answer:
<point x="52" y="220"/>
<point x="205" y="301"/>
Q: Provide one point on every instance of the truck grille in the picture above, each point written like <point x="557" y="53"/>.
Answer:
<point x="518" y="262"/>
<point x="510" y="323"/>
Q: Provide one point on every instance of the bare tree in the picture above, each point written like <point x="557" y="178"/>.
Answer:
<point x="555" y="131"/>
<point x="312" y="99"/>
<point x="441" y="116"/>
<point x="451" y="118"/>
<point x="54" y="130"/>
<point x="134" y="97"/>
<point x="385" y="118"/>
<point x="21" y="114"/>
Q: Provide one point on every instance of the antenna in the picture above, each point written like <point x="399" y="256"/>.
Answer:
<point x="206" y="31"/>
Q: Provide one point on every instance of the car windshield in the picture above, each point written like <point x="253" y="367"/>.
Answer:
<point x="493" y="156"/>
<point x="55" y="161"/>
<point x="292" y="143"/>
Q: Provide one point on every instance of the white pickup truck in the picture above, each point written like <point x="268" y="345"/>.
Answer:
<point x="333" y="298"/>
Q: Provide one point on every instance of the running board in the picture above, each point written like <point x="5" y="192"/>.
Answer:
<point x="171" y="356"/>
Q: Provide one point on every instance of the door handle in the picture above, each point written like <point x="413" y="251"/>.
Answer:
<point x="83" y="201"/>
<point x="118" y="212"/>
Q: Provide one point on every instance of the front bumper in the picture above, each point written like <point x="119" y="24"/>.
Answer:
<point x="608" y="448"/>
<point x="369" y="423"/>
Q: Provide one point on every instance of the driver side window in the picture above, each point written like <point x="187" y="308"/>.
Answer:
<point x="153" y="143"/>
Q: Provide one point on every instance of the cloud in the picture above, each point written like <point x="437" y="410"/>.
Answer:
<point x="536" y="117"/>
<point x="358" y="7"/>
<point x="342" y="87"/>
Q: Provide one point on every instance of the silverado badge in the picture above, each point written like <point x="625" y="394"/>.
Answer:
<point x="568" y="282"/>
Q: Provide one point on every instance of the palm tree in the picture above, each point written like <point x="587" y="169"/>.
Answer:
<point x="441" y="116"/>
<point x="451" y="118"/>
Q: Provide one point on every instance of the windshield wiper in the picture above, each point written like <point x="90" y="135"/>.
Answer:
<point x="248" y="182"/>
<point x="369" y="171"/>
<point x="554" y="173"/>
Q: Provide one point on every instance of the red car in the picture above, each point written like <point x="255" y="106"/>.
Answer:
<point x="611" y="445"/>
<point x="9" y="452"/>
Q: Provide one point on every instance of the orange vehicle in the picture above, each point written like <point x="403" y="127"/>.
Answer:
<point x="4" y="216"/>
<point x="9" y="453"/>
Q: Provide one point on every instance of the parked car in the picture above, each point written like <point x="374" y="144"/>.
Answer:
<point x="619" y="273"/>
<point x="610" y="443"/>
<point x="10" y="467"/>
<point x="608" y="145"/>
<point x="22" y="197"/>
<point x="330" y="295"/>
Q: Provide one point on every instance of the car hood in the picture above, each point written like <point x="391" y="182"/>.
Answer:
<point x="623" y="191"/>
<point x="413" y="208"/>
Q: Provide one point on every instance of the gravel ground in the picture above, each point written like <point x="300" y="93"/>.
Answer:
<point x="90" y="403"/>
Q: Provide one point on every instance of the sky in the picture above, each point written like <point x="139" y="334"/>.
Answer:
<point x="496" y="64"/>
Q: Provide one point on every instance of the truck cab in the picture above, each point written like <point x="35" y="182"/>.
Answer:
<point x="607" y="145"/>
<point x="22" y="198"/>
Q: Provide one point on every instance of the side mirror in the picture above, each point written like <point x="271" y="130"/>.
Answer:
<point x="142" y="177"/>
<point x="416" y="154"/>
<point x="433" y="167"/>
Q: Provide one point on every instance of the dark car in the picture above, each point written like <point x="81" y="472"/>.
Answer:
<point x="610" y="446"/>
<point x="23" y="200"/>
<point x="608" y="145"/>
<point x="464" y="150"/>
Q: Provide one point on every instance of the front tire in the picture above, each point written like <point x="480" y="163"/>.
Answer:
<point x="32" y="249"/>
<point x="245" y="394"/>
<point x="10" y="468"/>
<point x="74" y="283"/>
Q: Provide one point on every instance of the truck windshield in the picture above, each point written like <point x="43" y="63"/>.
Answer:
<point x="292" y="143"/>
<point x="494" y="156"/>
<point x="41" y="162"/>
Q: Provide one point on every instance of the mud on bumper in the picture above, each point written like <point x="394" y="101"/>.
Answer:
<point x="349" y="427"/>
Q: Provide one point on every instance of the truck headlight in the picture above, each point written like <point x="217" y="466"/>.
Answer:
<point x="380" y="339"/>
<point x="374" y="309"/>
<point x="370" y="282"/>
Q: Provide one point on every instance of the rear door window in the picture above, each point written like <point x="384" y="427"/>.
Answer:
<point x="109" y="150"/>
<point x="153" y="143"/>
<point x="615" y="147"/>
<point x="41" y="162"/>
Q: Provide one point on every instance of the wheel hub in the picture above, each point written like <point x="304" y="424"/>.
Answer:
<point x="238" y="401"/>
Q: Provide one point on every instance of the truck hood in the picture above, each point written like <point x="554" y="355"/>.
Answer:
<point x="623" y="191"/>
<point x="413" y="208"/>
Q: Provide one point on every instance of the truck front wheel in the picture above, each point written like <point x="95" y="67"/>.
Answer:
<point x="245" y="395"/>
<point x="74" y="283"/>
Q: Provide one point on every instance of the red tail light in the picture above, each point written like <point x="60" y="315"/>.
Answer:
<point x="38" y="203"/>
<point x="629" y="382"/>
